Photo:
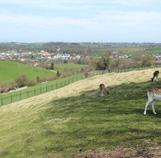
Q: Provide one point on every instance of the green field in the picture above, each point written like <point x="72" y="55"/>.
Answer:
<point x="64" y="67"/>
<point x="7" y="98"/>
<point x="10" y="71"/>
<point x="60" y="124"/>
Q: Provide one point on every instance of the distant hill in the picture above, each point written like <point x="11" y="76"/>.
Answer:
<point x="93" y="48"/>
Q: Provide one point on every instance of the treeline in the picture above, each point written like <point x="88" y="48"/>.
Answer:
<point x="92" y="49"/>
<point x="107" y="62"/>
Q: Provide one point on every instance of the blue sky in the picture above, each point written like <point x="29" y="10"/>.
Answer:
<point x="80" y="20"/>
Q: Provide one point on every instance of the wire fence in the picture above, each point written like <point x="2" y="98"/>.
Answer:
<point x="43" y="88"/>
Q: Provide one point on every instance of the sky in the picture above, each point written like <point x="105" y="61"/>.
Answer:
<point x="80" y="21"/>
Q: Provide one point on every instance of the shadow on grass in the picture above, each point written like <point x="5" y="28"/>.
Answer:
<point x="123" y="99"/>
<point x="102" y="122"/>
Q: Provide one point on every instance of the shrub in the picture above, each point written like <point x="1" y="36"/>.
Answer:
<point x="3" y="89"/>
<point x="52" y="66"/>
<point x="38" y="79"/>
<point x="86" y="74"/>
<point x="103" y="63"/>
<point x="58" y="74"/>
<point x="22" y="81"/>
<point x="31" y="83"/>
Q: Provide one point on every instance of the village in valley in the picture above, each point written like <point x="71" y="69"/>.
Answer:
<point x="76" y="53"/>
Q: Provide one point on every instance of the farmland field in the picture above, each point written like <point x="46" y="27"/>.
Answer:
<point x="74" y="119"/>
<point x="64" y="67"/>
<point x="9" y="71"/>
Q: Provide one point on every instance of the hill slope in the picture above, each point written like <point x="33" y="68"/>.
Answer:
<point x="60" y="123"/>
<point x="10" y="70"/>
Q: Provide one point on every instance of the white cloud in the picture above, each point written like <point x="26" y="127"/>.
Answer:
<point x="102" y="20"/>
<point x="99" y="22"/>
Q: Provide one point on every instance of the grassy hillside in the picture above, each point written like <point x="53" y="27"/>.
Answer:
<point x="60" y="124"/>
<point x="10" y="70"/>
<point x="67" y="67"/>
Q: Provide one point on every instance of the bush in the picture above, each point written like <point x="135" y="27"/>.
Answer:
<point x="86" y="74"/>
<point x="4" y="89"/>
<point x="38" y="79"/>
<point x="31" y="83"/>
<point x="52" y="66"/>
<point x="58" y="74"/>
<point x="144" y="60"/>
<point x="22" y="81"/>
<point x="103" y="63"/>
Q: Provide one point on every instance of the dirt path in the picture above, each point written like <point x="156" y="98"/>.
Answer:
<point x="141" y="152"/>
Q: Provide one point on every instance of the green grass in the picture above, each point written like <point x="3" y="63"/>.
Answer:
<point x="62" y="127"/>
<point x="7" y="98"/>
<point x="70" y="66"/>
<point x="95" y="123"/>
<point x="10" y="71"/>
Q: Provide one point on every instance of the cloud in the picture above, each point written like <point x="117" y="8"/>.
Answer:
<point x="88" y="19"/>
<point x="101" y="20"/>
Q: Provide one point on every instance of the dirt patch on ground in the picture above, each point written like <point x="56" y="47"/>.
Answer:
<point x="140" y="152"/>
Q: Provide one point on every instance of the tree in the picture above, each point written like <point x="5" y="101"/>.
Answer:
<point x="65" y="61"/>
<point x="104" y="63"/>
<point x="144" y="60"/>
<point x="147" y="60"/>
<point x="58" y="74"/>
<point x="22" y="81"/>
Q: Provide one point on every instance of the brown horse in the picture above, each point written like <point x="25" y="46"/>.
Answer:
<point x="155" y="75"/>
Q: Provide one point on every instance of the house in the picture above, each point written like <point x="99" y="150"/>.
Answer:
<point x="63" y="56"/>
<point x="158" y="57"/>
<point x="45" y="54"/>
